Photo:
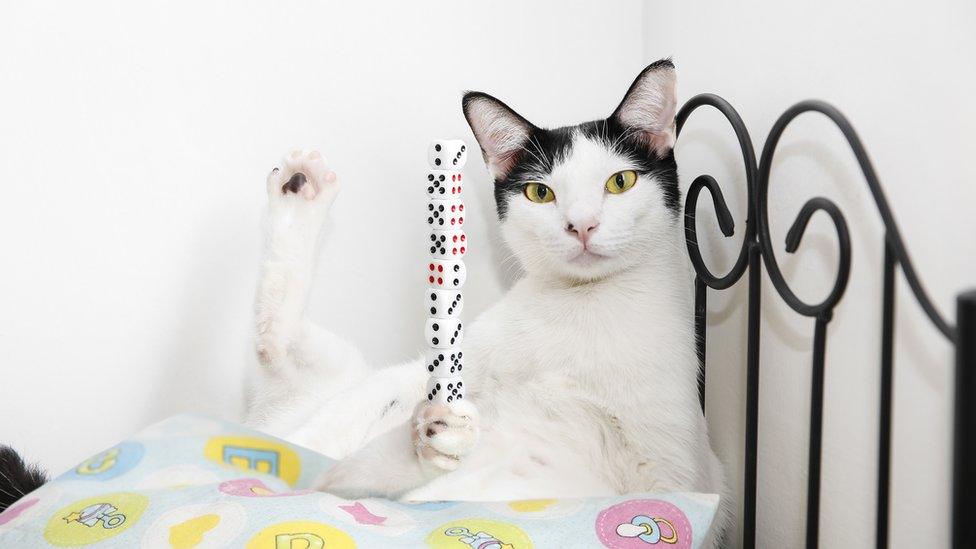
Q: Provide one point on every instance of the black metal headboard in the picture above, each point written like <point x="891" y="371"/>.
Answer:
<point x="758" y="251"/>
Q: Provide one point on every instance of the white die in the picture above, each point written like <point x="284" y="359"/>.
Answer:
<point x="443" y="303"/>
<point x="447" y="154"/>
<point x="449" y="244"/>
<point x="446" y="274"/>
<point x="443" y="333"/>
<point x="445" y="390"/>
<point x="445" y="214"/>
<point x="444" y="183"/>
<point x="445" y="362"/>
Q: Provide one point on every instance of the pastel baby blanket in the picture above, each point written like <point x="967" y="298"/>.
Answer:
<point x="194" y="482"/>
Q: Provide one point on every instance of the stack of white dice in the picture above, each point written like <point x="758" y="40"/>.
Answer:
<point x="445" y="272"/>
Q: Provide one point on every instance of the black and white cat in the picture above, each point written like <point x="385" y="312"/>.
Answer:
<point x="582" y="379"/>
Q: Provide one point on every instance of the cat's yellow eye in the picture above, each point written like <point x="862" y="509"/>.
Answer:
<point x="537" y="192"/>
<point x="621" y="181"/>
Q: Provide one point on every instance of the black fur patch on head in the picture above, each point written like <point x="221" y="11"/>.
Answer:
<point x="646" y="160"/>
<point x="546" y="148"/>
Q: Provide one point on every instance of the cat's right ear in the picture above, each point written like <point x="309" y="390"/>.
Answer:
<point x="501" y="132"/>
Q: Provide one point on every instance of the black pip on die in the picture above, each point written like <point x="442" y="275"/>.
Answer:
<point x="444" y="362"/>
<point x="445" y="273"/>
<point x="443" y="333"/>
<point x="443" y="303"/>
<point x="448" y="244"/>
<point x="445" y="389"/>
<point x="445" y="214"/>
<point x="447" y="154"/>
<point x="444" y="183"/>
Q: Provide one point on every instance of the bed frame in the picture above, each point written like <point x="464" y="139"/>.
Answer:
<point x="757" y="252"/>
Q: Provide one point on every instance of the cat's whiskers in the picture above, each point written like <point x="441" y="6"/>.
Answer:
<point x="509" y="263"/>
<point x="621" y="138"/>
<point x="543" y="160"/>
<point x="538" y="147"/>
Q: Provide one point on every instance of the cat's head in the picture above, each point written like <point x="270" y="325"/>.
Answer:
<point x="585" y="201"/>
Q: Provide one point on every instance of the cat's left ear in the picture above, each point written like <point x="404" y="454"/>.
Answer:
<point x="650" y="105"/>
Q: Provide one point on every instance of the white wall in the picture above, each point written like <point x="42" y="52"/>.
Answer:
<point x="905" y="76"/>
<point x="135" y="143"/>
<point x="136" y="139"/>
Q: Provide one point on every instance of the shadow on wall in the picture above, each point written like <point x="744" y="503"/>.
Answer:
<point x="502" y="262"/>
<point x="192" y="374"/>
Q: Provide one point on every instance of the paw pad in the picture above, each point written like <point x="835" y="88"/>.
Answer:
<point x="294" y="184"/>
<point x="304" y="174"/>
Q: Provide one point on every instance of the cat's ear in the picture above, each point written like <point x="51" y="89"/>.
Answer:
<point x="500" y="131"/>
<point x="650" y="105"/>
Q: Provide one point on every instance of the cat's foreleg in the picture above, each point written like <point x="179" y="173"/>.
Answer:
<point x="386" y="467"/>
<point x="431" y="443"/>
<point x="298" y="359"/>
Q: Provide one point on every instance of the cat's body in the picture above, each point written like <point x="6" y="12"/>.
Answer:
<point x="584" y="374"/>
<point x="563" y="411"/>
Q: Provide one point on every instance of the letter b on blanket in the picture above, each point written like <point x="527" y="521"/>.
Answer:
<point x="255" y="454"/>
<point x="284" y="541"/>
<point x="301" y="534"/>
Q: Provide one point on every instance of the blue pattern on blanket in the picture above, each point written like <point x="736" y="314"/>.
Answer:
<point x="194" y="482"/>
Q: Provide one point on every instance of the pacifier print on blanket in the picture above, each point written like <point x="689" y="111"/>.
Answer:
<point x="194" y="482"/>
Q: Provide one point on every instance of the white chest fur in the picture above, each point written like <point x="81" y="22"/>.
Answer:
<point x="581" y="387"/>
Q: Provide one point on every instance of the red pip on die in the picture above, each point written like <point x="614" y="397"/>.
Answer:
<point x="446" y="274"/>
<point x="444" y="183"/>
<point x="447" y="244"/>
<point x="445" y="214"/>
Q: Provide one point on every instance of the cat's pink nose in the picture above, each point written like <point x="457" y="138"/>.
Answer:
<point x="583" y="230"/>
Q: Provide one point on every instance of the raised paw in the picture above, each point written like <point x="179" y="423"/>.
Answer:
<point x="302" y="175"/>
<point x="444" y="433"/>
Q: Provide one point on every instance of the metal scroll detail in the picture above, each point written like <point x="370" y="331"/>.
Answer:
<point x="758" y="246"/>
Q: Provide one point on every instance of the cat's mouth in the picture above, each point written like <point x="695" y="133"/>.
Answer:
<point x="587" y="257"/>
